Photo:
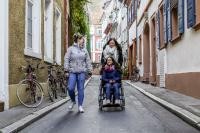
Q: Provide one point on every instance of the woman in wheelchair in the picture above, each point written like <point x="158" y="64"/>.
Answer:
<point x="111" y="78"/>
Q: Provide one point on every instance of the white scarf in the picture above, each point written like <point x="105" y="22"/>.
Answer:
<point x="111" y="52"/>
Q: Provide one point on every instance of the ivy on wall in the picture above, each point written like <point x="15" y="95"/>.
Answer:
<point x="80" y="19"/>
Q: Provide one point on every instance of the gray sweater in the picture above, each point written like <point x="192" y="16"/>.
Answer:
<point x="77" y="60"/>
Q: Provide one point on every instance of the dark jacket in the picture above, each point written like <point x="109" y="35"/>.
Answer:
<point x="111" y="75"/>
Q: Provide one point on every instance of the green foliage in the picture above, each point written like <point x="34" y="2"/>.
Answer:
<point x="125" y="72"/>
<point x="79" y="19"/>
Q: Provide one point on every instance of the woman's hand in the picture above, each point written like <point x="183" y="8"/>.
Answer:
<point x="112" y="81"/>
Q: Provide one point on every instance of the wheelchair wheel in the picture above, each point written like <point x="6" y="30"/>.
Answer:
<point x="100" y="98"/>
<point x="122" y="97"/>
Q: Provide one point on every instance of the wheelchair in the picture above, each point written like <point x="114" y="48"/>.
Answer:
<point x="102" y="97"/>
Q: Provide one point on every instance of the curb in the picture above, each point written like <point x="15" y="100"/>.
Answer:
<point x="24" y="122"/>
<point x="187" y="116"/>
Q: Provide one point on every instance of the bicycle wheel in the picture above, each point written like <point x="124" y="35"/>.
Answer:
<point x="61" y="89"/>
<point x="50" y="90"/>
<point x="137" y="77"/>
<point x="30" y="93"/>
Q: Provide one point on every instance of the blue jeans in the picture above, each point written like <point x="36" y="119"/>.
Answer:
<point x="114" y="86"/>
<point x="79" y="79"/>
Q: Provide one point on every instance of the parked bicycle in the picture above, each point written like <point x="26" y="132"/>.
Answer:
<point x="29" y="90"/>
<point x="135" y="75"/>
<point x="56" y="82"/>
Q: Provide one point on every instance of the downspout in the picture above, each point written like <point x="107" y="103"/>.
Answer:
<point x="136" y="20"/>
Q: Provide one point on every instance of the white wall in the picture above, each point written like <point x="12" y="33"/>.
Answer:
<point x="184" y="56"/>
<point x="181" y="57"/>
<point x="4" y="95"/>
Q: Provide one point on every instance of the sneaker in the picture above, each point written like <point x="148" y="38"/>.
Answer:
<point x="81" y="110"/>
<point x="107" y="101"/>
<point x="71" y="105"/>
<point x="117" y="101"/>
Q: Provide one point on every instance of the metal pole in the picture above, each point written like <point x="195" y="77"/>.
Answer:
<point x="136" y="24"/>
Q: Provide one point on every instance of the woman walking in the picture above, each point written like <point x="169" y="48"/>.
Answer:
<point x="77" y="63"/>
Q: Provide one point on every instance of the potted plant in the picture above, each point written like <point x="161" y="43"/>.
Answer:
<point x="125" y="73"/>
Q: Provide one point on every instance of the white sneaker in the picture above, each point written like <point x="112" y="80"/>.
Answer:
<point x="107" y="101"/>
<point x="81" y="110"/>
<point x="117" y="101"/>
<point x="71" y="105"/>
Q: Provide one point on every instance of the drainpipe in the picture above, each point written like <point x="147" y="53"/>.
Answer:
<point x="136" y="20"/>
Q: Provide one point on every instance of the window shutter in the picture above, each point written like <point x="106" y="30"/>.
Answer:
<point x="165" y="22"/>
<point x="169" y="21"/>
<point x="181" y="16"/>
<point x="158" y="29"/>
<point x="191" y="19"/>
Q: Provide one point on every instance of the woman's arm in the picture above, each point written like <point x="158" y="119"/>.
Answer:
<point x="117" y="76"/>
<point x="66" y="59"/>
<point x="88" y="62"/>
<point x="104" y="77"/>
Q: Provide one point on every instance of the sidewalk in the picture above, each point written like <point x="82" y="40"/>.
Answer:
<point x="184" y="106"/>
<point x="16" y="113"/>
<point x="17" y="118"/>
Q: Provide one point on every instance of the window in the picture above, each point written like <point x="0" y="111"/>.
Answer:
<point x="174" y="15"/>
<point x="58" y="35"/>
<point x="98" y="45"/>
<point x="173" y="20"/>
<point x="33" y="29"/>
<point x="30" y="19"/>
<point x="129" y="15"/>
<point x="99" y="32"/>
<point x="131" y="12"/>
<point x="48" y="31"/>
<point x="193" y="14"/>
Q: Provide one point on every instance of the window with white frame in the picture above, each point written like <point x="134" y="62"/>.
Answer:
<point x="48" y="31"/>
<point x="33" y="29"/>
<point x="58" y="36"/>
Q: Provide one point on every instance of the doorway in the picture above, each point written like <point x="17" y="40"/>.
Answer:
<point x="146" y="53"/>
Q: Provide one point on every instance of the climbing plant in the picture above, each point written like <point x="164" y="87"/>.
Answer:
<point x="80" y="19"/>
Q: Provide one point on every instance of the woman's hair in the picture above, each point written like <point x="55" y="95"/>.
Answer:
<point x="119" y="49"/>
<point x="116" y="43"/>
<point x="76" y="37"/>
<point x="114" y="63"/>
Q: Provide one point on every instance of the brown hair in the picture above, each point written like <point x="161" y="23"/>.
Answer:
<point x="77" y="36"/>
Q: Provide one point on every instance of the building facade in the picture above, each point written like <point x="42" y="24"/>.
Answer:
<point x="96" y="43"/>
<point x="4" y="51"/>
<point x="115" y="24"/>
<point x="163" y="43"/>
<point x="35" y="29"/>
